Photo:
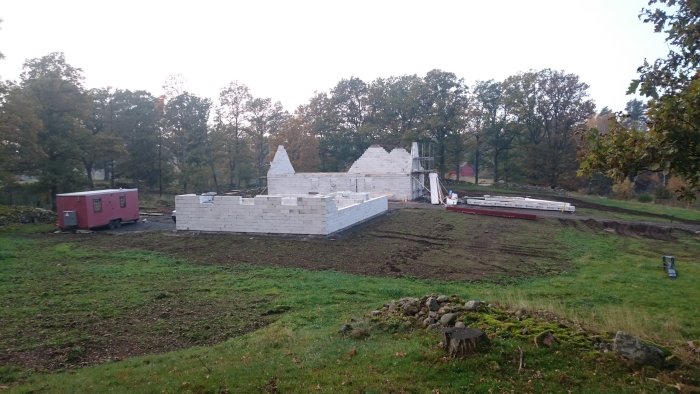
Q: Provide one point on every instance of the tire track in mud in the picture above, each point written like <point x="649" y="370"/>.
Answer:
<point x="529" y="251"/>
<point x="416" y="245"/>
<point x="412" y="238"/>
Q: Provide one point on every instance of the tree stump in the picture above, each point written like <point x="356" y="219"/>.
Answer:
<point x="463" y="341"/>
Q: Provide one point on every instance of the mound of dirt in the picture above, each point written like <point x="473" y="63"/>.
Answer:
<point x="646" y="230"/>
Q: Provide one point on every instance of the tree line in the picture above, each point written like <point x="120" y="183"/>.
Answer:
<point x="520" y="129"/>
<point x="669" y="142"/>
<point x="536" y="127"/>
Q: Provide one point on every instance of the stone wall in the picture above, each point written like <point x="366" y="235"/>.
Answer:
<point x="278" y="214"/>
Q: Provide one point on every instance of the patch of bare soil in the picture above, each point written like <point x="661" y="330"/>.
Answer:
<point x="646" y="230"/>
<point x="161" y="326"/>
<point x="421" y="243"/>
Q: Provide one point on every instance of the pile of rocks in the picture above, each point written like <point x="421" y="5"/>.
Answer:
<point x="446" y="313"/>
<point x="432" y="311"/>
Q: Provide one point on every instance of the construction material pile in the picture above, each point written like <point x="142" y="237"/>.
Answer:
<point x="521" y="202"/>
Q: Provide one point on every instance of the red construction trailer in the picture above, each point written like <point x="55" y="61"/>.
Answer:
<point x="97" y="208"/>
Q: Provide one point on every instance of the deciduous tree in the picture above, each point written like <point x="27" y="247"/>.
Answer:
<point x="550" y="106"/>
<point x="445" y="103"/>
<point x="396" y="109"/>
<point x="347" y="134"/>
<point x="19" y="130"/>
<point x="297" y="136"/>
<point x="135" y="119"/>
<point x="231" y="123"/>
<point x="265" y="119"/>
<point x="492" y="105"/>
<point x="54" y="92"/>
<point x="672" y="144"/>
<point x="186" y="117"/>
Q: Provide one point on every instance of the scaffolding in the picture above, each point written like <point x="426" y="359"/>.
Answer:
<point x="423" y="154"/>
<point x="426" y="157"/>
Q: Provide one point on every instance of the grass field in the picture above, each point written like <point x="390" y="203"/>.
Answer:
<point x="659" y="209"/>
<point x="163" y="313"/>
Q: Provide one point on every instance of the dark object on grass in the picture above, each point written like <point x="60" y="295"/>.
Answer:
<point x="637" y="351"/>
<point x="669" y="264"/>
<point x="545" y="339"/>
<point x="463" y="341"/>
<point x="345" y="329"/>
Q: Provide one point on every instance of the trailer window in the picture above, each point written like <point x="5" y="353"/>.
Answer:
<point x="97" y="205"/>
<point x="122" y="201"/>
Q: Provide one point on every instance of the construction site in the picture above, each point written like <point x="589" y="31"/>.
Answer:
<point x="323" y="203"/>
<point x="311" y="203"/>
<point x="241" y="270"/>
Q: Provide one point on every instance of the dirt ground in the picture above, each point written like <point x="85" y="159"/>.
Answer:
<point x="164" y="325"/>
<point x="422" y="243"/>
<point x="411" y="240"/>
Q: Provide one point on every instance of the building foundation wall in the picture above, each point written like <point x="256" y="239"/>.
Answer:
<point x="277" y="214"/>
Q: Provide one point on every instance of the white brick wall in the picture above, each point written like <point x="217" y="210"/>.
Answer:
<point x="397" y="187"/>
<point x="376" y="172"/>
<point x="376" y="160"/>
<point x="281" y="163"/>
<point x="301" y="214"/>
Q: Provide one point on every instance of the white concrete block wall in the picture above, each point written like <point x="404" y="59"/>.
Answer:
<point x="281" y="163"/>
<point x="376" y="171"/>
<point x="376" y="160"/>
<point x="300" y="214"/>
<point x="397" y="187"/>
<point x="356" y="213"/>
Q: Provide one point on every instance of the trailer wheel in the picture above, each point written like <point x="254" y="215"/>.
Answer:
<point x="118" y="223"/>
<point x="112" y="224"/>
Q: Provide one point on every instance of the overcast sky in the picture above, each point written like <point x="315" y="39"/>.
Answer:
<point x="287" y="50"/>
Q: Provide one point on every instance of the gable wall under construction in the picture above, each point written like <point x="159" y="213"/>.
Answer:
<point x="378" y="172"/>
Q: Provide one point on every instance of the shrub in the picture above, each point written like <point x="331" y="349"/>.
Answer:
<point x="623" y="190"/>
<point x="662" y="193"/>
<point x="681" y="189"/>
<point x="599" y="184"/>
<point x="644" y="198"/>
